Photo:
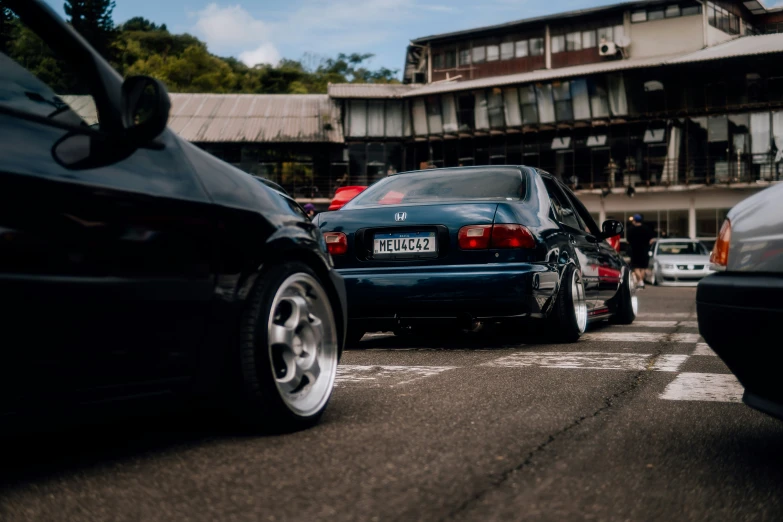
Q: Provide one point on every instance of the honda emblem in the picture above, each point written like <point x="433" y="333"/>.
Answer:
<point x="400" y="216"/>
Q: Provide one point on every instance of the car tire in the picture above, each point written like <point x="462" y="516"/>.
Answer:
<point x="570" y="312"/>
<point x="289" y="350"/>
<point x="627" y="304"/>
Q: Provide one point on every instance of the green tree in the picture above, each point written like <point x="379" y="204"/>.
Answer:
<point x="7" y="27"/>
<point x="92" y="19"/>
<point x="139" y="23"/>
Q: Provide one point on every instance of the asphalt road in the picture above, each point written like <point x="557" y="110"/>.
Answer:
<point x="635" y="422"/>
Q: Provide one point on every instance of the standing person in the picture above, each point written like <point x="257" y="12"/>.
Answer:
<point x="310" y="209"/>
<point x="639" y="238"/>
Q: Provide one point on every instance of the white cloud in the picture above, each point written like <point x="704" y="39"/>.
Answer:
<point x="230" y="26"/>
<point x="265" y="53"/>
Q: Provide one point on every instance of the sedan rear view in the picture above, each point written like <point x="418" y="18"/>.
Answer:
<point x="471" y="244"/>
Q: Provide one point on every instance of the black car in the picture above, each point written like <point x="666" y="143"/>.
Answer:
<point x="135" y="265"/>
<point x="472" y="245"/>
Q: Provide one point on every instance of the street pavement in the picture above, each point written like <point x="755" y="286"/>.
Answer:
<point x="639" y="422"/>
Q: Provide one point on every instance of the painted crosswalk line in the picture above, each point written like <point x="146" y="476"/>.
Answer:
<point x="714" y="387"/>
<point x="384" y="374"/>
<point x="703" y="349"/>
<point x="641" y="337"/>
<point x="592" y="361"/>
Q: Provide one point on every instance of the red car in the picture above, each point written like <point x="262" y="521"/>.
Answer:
<point x="344" y="195"/>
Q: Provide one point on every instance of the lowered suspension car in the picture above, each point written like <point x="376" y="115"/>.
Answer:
<point x="475" y="244"/>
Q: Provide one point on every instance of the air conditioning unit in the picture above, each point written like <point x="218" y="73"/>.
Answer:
<point x="607" y="49"/>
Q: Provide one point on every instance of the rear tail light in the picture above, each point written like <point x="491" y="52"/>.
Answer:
<point x="719" y="258"/>
<point x="336" y="242"/>
<point x="481" y="237"/>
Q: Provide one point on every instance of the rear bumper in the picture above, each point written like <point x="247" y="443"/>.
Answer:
<point x="740" y="317"/>
<point x="446" y="292"/>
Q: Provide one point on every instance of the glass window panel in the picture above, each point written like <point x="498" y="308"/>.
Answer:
<point x="437" y="61"/>
<point x="605" y="34"/>
<point x="495" y="108"/>
<point x="711" y="14"/>
<point x="420" y="117"/>
<point x="599" y="98"/>
<point x="717" y="128"/>
<point x="597" y="141"/>
<point x="546" y="107"/>
<point x="536" y="47"/>
<point x="672" y="11"/>
<point x="561" y="91"/>
<point x="777" y="132"/>
<point x="760" y="135"/>
<point x="479" y="54"/>
<point x="574" y="41"/>
<point x="588" y="39"/>
<point x="357" y="118"/>
<point x="464" y="57"/>
<point x="691" y="10"/>
<point x="521" y="48"/>
<point x="617" y="100"/>
<point x="655" y="14"/>
<point x="481" y="112"/>
<point x="433" y="115"/>
<point x="558" y="43"/>
<point x="375" y="120"/>
<point x="394" y="118"/>
<point x="513" y="112"/>
<point x="581" y="99"/>
<point x="450" y="59"/>
<point x="527" y="97"/>
<point x="493" y="53"/>
<point x="407" y="121"/>
<point x="654" y="135"/>
<point x="449" y="108"/>
<point x="639" y="16"/>
<point x="506" y="50"/>
<point x="619" y="32"/>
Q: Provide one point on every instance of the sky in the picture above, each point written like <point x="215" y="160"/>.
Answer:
<point x="263" y="31"/>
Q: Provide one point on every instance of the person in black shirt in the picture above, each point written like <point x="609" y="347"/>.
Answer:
<point x="639" y="238"/>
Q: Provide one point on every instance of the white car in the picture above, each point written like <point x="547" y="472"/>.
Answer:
<point x="678" y="262"/>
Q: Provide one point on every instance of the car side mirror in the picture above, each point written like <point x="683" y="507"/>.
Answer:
<point x="611" y="228"/>
<point x="145" y="109"/>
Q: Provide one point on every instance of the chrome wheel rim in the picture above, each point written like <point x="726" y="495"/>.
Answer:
<point x="302" y="344"/>
<point x="580" y="303"/>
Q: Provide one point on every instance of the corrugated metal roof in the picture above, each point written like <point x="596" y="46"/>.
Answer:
<point x="308" y="118"/>
<point x="744" y="46"/>
<point x="368" y="90"/>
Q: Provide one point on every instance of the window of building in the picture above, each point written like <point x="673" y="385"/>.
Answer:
<point x="449" y="111"/>
<point x="464" y="57"/>
<point x="437" y="61"/>
<point x="495" y="109"/>
<point x="493" y="53"/>
<point x="433" y="115"/>
<point x="717" y="129"/>
<point x="527" y="100"/>
<point x="481" y="112"/>
<point x="588" y="39"/>
<point x="720" y="18"/>
<point x="420" y="117"/>
<point x="655" y="14"/>
<point x="574" y="41"/>
<point x="450" y="59"/>
<point x="536" y="47"/>
<point x="688" y="10"/>
<point x="562" y="96"/>
<point x="506" y="50"/>
<point x="466" y="107"/>
<point x="558" y="43"/>
<point x="394" y="115"/>
<point x="605" y="34"/>
<point x="581" y="99"/>
<point x="513" y="113"/>
<point x="375" y="118"/>
<point x="521" y="49"/>
<point x="479" y="54"/>
<point x="639" y="16"/>
<point x="546" y="107"/>
<point x="599" y="97"/>
<point x="357" y="118"/>
<point x="672" y="11"/>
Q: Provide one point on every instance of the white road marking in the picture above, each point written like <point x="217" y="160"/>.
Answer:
<point x="641" y="337"/>
<point x="664" y="315"/>
<point x="703" y="349"/>
<point x="663" y="324"/>
<point x="384" y="374"/>
<point x="716" y="387"/>
<point x="591" y="361"/>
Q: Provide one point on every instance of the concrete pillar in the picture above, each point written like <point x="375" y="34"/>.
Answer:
<point x="692" y="219"/>
<point x="548" y="47"/>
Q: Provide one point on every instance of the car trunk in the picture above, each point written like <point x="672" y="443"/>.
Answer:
<point x="412" y="235"/>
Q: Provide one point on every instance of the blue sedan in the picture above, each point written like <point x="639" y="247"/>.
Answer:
<point x="469" y="245"/>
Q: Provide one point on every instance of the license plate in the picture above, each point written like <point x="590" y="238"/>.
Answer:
<point x="405" y="243"/>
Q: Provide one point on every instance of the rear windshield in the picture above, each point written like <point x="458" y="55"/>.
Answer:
<point x="443" y="186"/>
<point x="682" y="249"/>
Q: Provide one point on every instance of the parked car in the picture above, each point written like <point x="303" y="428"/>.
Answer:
<point x="472" y="244"/>
<point x="739" y="307"/>
<point x="678" y="262"/>
<point x="135" y="265"/>
<point x="343" y="195"/>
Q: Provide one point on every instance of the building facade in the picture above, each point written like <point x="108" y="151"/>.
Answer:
<point x="672" y="109"/>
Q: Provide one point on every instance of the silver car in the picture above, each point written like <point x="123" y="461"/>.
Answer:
<point x="678" y="262"/>
<point x="740" y="307"/>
